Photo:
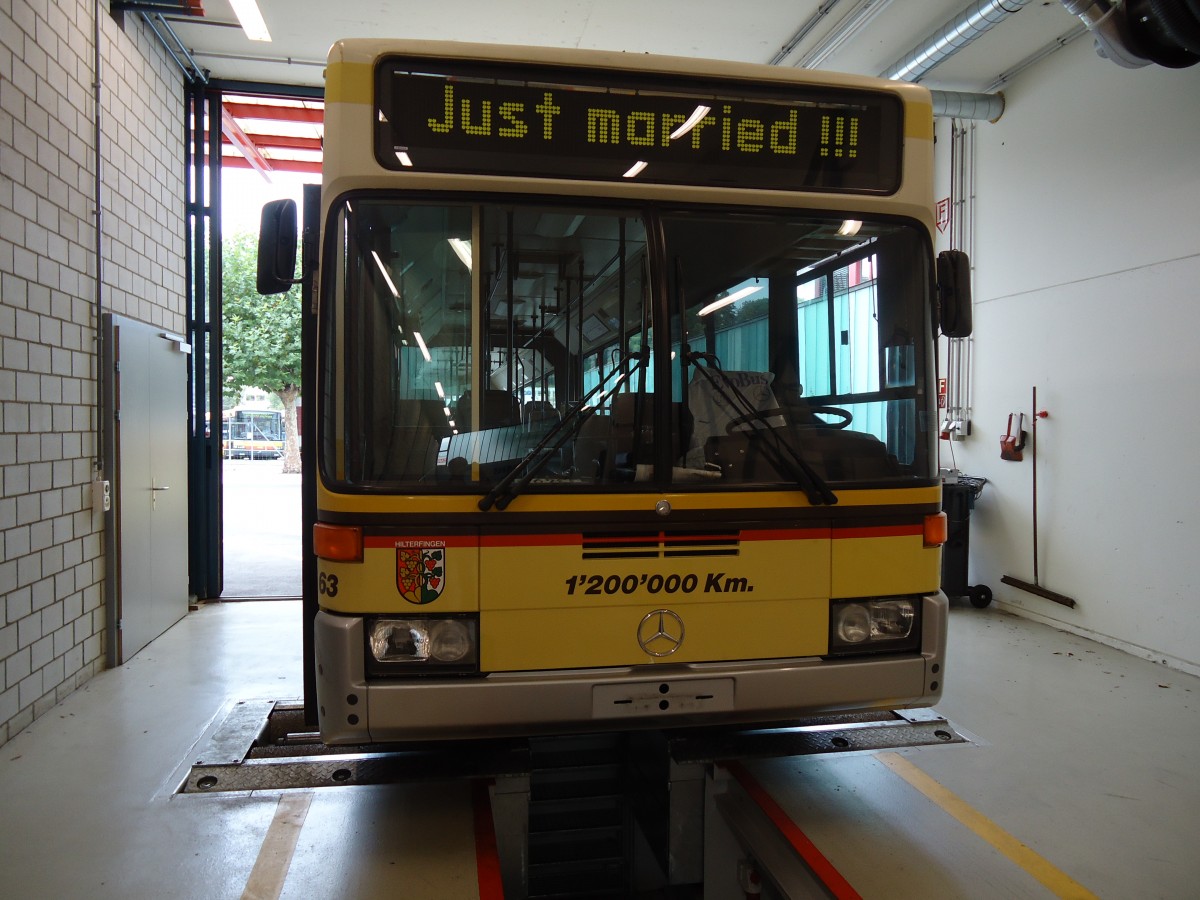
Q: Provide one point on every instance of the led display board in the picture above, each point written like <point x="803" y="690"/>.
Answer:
<point x="436" y="116"/>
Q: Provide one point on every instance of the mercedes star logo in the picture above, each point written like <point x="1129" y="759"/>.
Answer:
<point x="660" y="633"/>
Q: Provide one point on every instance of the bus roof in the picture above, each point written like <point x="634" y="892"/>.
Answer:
<point x="366" y="51"/>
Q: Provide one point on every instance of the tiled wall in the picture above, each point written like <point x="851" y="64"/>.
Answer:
<point x="52" y="612"/>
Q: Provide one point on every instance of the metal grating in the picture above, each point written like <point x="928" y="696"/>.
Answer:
<point x="660" y="545"/>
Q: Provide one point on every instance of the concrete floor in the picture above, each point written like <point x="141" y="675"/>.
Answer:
<point x="260" y="512"/>
<point x="1085" y="755"/>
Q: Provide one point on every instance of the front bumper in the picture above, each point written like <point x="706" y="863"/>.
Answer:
<point x="354" y="710"/>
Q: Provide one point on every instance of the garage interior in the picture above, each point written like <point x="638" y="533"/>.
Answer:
<point x="1069" y="175"/>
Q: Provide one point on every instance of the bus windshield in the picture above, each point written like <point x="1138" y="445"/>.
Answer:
<point x="596" y="348"/>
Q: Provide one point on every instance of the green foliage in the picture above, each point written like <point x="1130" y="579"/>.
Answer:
<point x="261" y="334"/>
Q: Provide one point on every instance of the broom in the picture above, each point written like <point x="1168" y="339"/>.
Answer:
<point x="1036" y="588"/>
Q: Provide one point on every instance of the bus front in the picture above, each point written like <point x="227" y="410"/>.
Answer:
<point x="625" y="408"/>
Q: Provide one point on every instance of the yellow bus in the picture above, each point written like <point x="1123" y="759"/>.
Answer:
<point x="625" y="393"/>
<point x="248" y="433"/>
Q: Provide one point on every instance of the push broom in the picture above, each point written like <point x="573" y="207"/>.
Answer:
<point x="1035" y="587"/>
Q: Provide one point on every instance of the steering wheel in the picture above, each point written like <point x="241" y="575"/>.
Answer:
<point x="845" y="417"/>
<point x="759" y="418"/>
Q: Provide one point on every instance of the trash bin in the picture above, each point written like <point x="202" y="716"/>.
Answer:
<point x="958" y="499"/>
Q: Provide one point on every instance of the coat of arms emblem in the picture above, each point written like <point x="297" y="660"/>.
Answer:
<point x="420" y="570"/>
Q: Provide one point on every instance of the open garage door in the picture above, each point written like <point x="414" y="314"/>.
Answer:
<point x="247" y="144"/>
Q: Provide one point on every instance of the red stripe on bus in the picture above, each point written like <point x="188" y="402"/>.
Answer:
<point x="821" y="867"/>
<point x="487" y="858"/>
<point x="785" y="534"/>
<point x="657" y="537"/>
<point x="531" y="540"/>
<point x="575" y="539"/>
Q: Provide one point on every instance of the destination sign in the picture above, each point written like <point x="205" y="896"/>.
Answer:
<point x="620" y="127"/>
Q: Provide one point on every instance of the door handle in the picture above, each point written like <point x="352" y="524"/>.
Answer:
<point x="165" y="487"/>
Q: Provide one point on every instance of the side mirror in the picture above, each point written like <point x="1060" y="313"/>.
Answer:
<point x="277" y="236"/>
<point x="954" y="293"/>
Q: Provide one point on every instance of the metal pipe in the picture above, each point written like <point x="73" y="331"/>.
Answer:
<point x="1037" y="56"/>
<point x="855" y="21"/>
<point x="965" y="105"/>
<point x="101" y="356"/>
<point x="803" y="31"/>
<point x="188" y="64"/>
<point x="956" y="33"/>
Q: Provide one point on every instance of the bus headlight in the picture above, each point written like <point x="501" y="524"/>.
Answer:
<point x="443" y="644"/>
<point x="874" y="625"/>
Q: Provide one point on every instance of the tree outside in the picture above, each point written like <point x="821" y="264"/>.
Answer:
<point x="261" y="338"/>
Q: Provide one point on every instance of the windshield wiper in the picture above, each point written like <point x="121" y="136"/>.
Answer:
<point x="508" y="487"/>
<point x="786" y="457"/>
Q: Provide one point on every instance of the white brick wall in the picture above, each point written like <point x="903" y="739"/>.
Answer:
<point x="51" y="569"/>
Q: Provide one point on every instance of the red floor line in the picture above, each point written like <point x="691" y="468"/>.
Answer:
<point x="487" y="858"/>
<point x="821" y="867"/>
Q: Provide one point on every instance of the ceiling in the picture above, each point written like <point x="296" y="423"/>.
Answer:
<point x="755" y="31"/>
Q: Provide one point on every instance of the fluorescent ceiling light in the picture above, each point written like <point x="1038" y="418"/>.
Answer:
<point x="635" y="169"/>
<point x="462" y="249"/>
<point x="693" y="120"/>
<point x="251" y="19"/>
<point x="405" y="159"/>
<point x="441" y="390"/>
<point x="421" y="344"/>
<point x="386" y="276"/>
<point x="732" y="298"/>
<point x="850" y="227"/>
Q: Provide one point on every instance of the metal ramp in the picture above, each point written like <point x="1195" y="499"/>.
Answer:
<point x="264" y="745"/>
<point x="594" y="815"/>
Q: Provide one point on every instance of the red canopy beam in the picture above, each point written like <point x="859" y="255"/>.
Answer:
<point x="276" y="113"/>
<point x="300" y="166"/>
<point x="233" y="131"/>
<point x="278" y="141"/>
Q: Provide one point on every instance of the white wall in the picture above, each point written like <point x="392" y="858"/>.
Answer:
<point x="51" y="569"/>
<point x="1087" y="285"/>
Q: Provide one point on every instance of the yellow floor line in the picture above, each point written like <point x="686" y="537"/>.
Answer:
<point x="275" y="856"/>
<point x="1053" y="878"/>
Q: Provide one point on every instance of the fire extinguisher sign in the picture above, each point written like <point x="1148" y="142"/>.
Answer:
<point x="941" y="393"/>
<point x="943" y="215"/>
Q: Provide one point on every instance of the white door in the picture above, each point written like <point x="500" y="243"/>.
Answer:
<point x="150" y="448"/>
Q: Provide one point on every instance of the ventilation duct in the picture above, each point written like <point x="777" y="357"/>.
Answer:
<point x="1139" y="32"/>
<point x="964" y="105"/>
<point x="965" y="28"/>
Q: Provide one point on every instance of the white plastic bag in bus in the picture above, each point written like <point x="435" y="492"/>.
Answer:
<point x="714" y="406"/>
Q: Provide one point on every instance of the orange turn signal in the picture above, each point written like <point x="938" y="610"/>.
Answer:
<point x="936" y="530"/>
<point x="341" y="543"/>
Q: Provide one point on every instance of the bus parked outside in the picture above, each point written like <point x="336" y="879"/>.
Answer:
<point x="251" y="433"/>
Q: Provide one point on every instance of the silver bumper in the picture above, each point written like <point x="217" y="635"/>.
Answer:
<point x="354" y="711"/>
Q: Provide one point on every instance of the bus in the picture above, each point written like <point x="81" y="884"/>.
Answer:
<point x="625" y="393"/>
<point x="251" y="433"/>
